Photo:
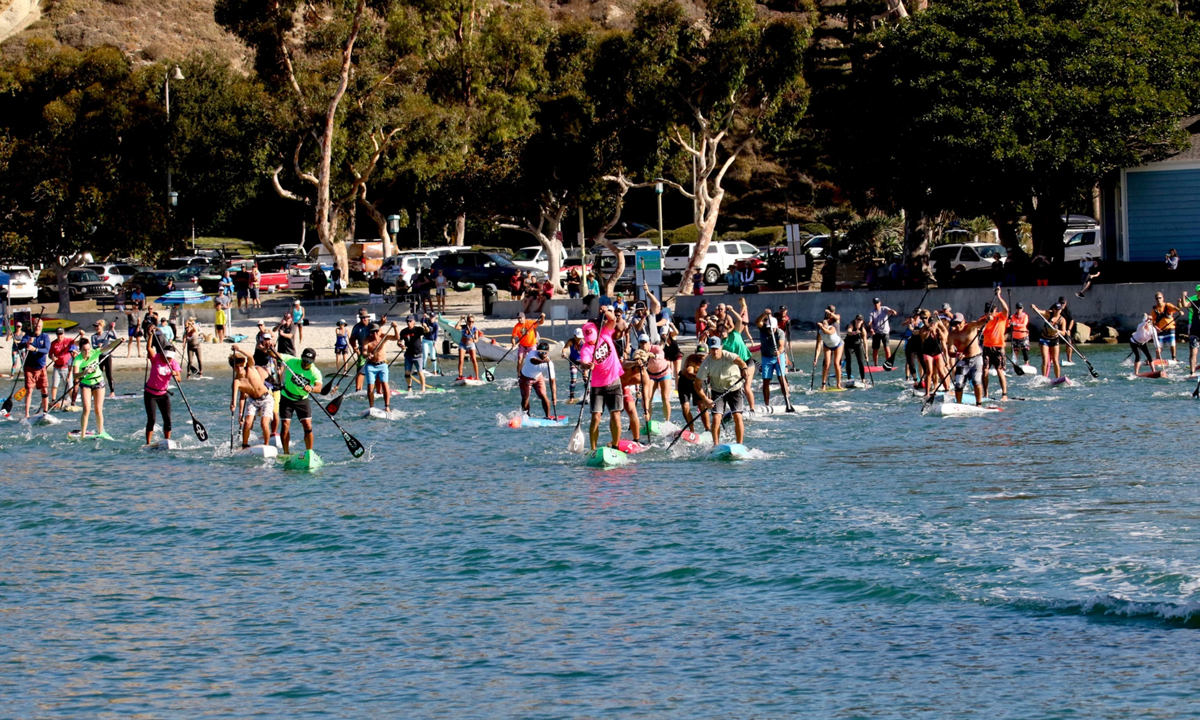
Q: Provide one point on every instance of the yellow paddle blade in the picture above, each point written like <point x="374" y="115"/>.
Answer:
<point x="19" y="395"/>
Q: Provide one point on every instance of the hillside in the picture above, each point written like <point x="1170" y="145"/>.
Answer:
<point x="150" y="30"/>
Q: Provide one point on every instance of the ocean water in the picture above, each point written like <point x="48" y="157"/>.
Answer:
<point x="867" y="562"/>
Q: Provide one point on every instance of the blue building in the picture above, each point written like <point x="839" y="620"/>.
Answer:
<point x="1156" y="207"/>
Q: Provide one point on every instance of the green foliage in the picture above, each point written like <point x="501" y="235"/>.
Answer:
<point x="874" y="236"/>
<point x="763" y="236"/>
<point x="988" y="104"/>
<point x="814" y="228"/>
<point x="81" y="157"/>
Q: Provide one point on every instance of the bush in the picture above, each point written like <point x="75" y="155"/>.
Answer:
<point x="765" y="235"/>
<point x="685" y="234"/>
<point x="814" y="229"/>
<point x="735" y="235"/>
<point x="356" y="284"/>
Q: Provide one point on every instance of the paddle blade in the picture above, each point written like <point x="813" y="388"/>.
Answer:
<point x="201" y="432"/>
<point x="20" y="394"/>
<point x="329" y="386"/>
<point x="335" y="404"/>
<point x="353" y="445"/>
<point x="8" y="404"/>
<point x="577" y="445"/>
<point x="487" y="373"/>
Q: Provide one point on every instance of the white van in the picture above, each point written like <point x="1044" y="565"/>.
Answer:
<point x="534" y="257"/>
<point x="720" y="255"/>
<point x="1083" y="237"/>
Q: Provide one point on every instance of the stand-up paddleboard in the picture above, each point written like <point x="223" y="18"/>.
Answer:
<point x="377" y="413"/>
<point x="259" y="451"/>
<point x="200" y="377"/>
<point x="91" y="435"/>
<point x="606" y="457"/>
<point x="630" y="447"/>
<point x="1064" y="381"/>
<point x="663" y="428"/>
<point x="72" y="408"/>
<point x="127" y="396"/>
<point x="524" y="421"/>
<point x="1028" y="369"/>
<point x="469" y="381"/>
<point x="1153" y="375"/>
<point x="728" y="451"/>
<point x="1067" y="363"/>
<point x="306" y="461"/>
<point x="832" y="388"/>
<point x="953" y="409"/>
<point x="875" y="368"/>
<point x="417" y="391"/>
<point x="42" y="419"/>
<point x="162" y="445"/>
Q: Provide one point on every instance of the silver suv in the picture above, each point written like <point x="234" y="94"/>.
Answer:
<point x="720" y="255"/>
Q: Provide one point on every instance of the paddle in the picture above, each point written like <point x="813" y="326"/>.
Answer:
<point x="104" y="353"/>
<point x="197" y="426"/>
<point x="232" y="415"/>
<point x="1020" y="371"/>
<point x="812" y="378"/>
<point x="889" y="364"/>
<point x="490" y="374"/>
<point x="334" y="380"/>
<point x="1092" y="370"/>
<point x="737" y="387"/>
<point x="933" y="393"/>
<point x="576" y="443"/>
<point x="8" y="401"/>
<point x="352" y="444"/>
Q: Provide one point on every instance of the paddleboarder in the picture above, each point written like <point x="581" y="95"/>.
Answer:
<point x="358" y="336"/>
<point x="536" y="368"/>
<point x="62" y="352"/>
<point x="722" y="370"/>
<point x="771" y="339"/>
<point x="686" y="388"/>
<point x="1139" y="342"/>
<point x="163" y="366"/>
<point x="341" y="344"/>
<point x="658" y="377"/>
<point x="1164" y="319"/>
<point x="103" y="336"/>
<point x="831" y="348"/>
<point x="36" y="346"/>
<point x="963" y="338"/>
<point x="250" y="382"/>
<point x="525" y="336"/>
<point x="993" y="343"/>
<point x="301" y="377"/>
<point x="18" y="352"/>
<point x="879" y="327"/>
<point x="470" y="335"/>
<point x="88" y="368"/>
<point x="412" y="339"/>
<point x="1019" y="322"/>
<point x="1052" y="329"/>
<point x="599" y="355"/>
<point x="570" y="351"/>
<point x="374" y="353"/>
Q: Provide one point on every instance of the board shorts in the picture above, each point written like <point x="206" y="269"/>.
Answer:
<point x="301" y="408"/>
<point x="62" y="373"/>
<point x="879" y="340"/>
<point x="243" y="293"/>
<point x="441" y="292"/>
<point x="771" y="368"/>
<point x="253" y="293"/>
<point x="659" y="377"/>
<point x="1048" y="342"/>
<point x="606" y="399"/>
<point x="264" y="406"/>
<point x="36" y="380"/>
<point x="528" y="383"/>
<point x="1194" y="341"/>
<point x="734" y="403"/>
<point x="1021" y="343"/>
<point x="993" y="357"/>
<point x="686" y="390"/>
<point x="1167" y="338"/>
<point x="135" y="332"/>
<point x="412" y="365"/>
<point x="377" y="372"/>
<point x="968" y="370"/>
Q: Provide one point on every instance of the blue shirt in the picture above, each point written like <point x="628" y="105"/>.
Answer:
<point x="432" y="334"/>
<point x="39" y="351"/>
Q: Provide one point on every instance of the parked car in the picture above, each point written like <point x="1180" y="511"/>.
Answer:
<point x="154" y="282"/>
<point x="720" y="256"/>
<point x="176" y="263"/>
<point x="82" y="284"/>
<point x="758" y="263"/>
<point x="961" y="257"/>
<point x="406" y="264"/>
<point x="1083" y="237"/>
<point x="271" y="268"/>
<point x="114" y="275"/>
<point x="289" y="249"/>
<point x="605" y="263"/>
<point x="300" y="274"/>
<point x="535" y="257"/>
<point x="476" y="267"/>
<point x="21" y="283"/>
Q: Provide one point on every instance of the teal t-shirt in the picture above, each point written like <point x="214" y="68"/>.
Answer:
<point x="734" y="343"/>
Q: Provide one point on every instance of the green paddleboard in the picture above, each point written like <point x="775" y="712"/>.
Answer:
<point x="74" y="435"/>
<point x="307" y="461"/>
<point x="606" y="457"/>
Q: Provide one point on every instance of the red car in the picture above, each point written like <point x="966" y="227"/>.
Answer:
<point x="759" y="262"/>
<point x="272" y="271"/>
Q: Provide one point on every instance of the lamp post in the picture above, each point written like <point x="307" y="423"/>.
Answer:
<point x="658" y="190"/>
<point x="176" y="74"/>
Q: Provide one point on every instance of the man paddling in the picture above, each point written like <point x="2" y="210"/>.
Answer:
<point x="1020" y="333"/>
<point x="686" y="388"/>
<point x="36" y="345"/>
<point x="722" y="370"/>
<point x="250" y="381"/>
<point x="993" y="343"/>
<point x="374" y="353"/>
<point x="1164" y="319"/>
<point x="534" y="372"/>
<point x="599" y="355"/>
<point x="358" y="336"/>
<point x="525" y="335"/>
<point x="412" y="339"/>
<point x="964" y="337"/>
<point x="301" y="377"/>
<point x="770" y="344"/>
<point x="879" y="328"/>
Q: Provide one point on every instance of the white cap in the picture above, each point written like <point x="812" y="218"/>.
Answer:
<point x="578" y="332"/>
<point x="772" y="323"/>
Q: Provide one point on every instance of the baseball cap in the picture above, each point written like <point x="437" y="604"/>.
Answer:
<point x="714" y="342"/>
<point x="643" y="338"/>
<point x="58" y="331"/>
<point x="296" y="301"/>
<point x="341" y="322"/>
<point x="701" y="349"/>
<point x="945" y="306"/>
<point x="578" y="332"/>
<point x="876" y="300"/>
<point x="410" y="318"/>
<point x="605" y="301"/>
<point x="308" y="354"/>
<point x="373" y="327"/>
<point x="958" y="317"/>
<point x="543" y="345"/>
<point x="1020" y="306"/>
<point x="260" y="323"/>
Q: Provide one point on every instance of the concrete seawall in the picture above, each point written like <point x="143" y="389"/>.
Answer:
<point x="1122" y="304"/>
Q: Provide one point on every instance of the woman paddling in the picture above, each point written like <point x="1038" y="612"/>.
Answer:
<point x="1140" y="341"/>
<point x="466" y="347"/>
<point x="1054" y="325"/>
<point x="831" y="349"/>
<point x="163" y="366"/>
<point x="87" y="365"/>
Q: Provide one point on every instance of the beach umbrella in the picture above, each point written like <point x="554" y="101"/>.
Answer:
<point x="183" y="297"/>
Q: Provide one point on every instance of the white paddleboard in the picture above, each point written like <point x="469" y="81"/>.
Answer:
<point x="950" y="409"/>
<point x="378" y="413"/>
<point x="259" y="451"/>
<point x="1068" y="363"/>
<point x="470" y="382"/>
<point x="162" y="445"/>
<point x="43" y="419"/>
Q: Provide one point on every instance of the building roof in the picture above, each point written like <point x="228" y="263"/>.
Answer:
<point x="1192" y="153"/>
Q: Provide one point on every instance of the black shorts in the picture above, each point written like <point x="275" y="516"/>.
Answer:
<point x="287" y="406"/>
<point x="734" y="402"/>
<point x="606" y="399"/>
<point x="687" y="392"/>
<point x="993" y="357"/>
<point x="879" y="340"/>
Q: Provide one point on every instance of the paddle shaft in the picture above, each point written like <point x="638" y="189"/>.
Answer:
<point x="1071" y="345"/>
<point x="352" y="444"/>
<point x="490" y="374"/>
<point x="812" y="378"/>
<point x="737" y="387"/>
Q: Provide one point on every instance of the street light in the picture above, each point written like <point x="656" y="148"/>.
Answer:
<point x="658" y="190"/>
<point x="177" y="74"/>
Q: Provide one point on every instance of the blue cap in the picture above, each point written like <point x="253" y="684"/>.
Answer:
<point x="606" y="302"/>
<point x="714" y="342"/>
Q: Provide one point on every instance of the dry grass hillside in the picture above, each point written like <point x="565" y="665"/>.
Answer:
<point x="145" y="29"/>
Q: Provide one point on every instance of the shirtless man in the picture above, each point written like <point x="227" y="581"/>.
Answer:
<point x="375" y="353"/>
<point x="964" y="338"/>
<point x="686" y="387"/>
<point x="249" y="380"/>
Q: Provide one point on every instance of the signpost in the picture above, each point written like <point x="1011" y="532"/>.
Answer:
<point x="794" y="258"/>
<point x="647" y="270"/>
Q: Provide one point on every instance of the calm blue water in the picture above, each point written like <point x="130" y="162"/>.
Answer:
<point x="868" y="563"/>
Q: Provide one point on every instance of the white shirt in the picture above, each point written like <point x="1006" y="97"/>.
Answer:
<point x="1145" y="333"/>
<point x="531" y="370"/>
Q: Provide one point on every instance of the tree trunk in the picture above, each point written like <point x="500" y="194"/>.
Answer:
<point x="608" y="283"/>
<point x="1048" y="227"/>
<point x="380" y="224"/>
<point x="703" y="240"/>
<point x="64" y="290"/>
<point x="460" y="229"/>
<point x="829" y="274"/>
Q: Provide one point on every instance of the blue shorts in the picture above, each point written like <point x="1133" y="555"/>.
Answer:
<point x="412" y="366"/>
<point x="1167" y="338"/>
<point x="376" y="372"/>
<point x="771" y="368"/>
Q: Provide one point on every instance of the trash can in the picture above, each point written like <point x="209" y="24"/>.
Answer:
<point x="490" y="297"/>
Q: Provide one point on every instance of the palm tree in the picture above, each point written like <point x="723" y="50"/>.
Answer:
<point x="876" y="235"/>
<point x="838" y="219"/>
